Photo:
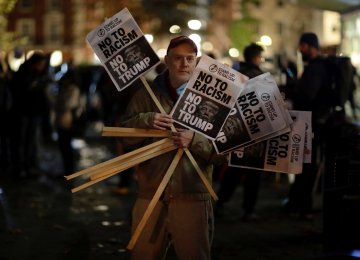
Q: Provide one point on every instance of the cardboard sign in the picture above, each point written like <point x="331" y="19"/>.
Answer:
<point x="259" y="114"/>
<point x="122" y="49"/>
<point x="283" y="153"/>
<point x="208" y="97"/>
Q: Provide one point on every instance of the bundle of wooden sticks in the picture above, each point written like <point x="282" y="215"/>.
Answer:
<point x="118" y="164"/>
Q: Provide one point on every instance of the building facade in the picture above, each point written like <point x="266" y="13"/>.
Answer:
<point x="350" y="42"/>
<point x="51" y="25"/>
<point x="63" y="24"/>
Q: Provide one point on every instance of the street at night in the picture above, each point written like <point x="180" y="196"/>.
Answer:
<point x="42" y="219"/>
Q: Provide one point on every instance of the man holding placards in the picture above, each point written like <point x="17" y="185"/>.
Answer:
<point x="183" y="215"/>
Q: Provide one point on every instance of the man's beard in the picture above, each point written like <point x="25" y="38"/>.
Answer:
<point x="305" y="57"/>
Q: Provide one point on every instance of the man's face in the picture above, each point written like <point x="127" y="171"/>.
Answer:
<point x="208" y="111"/>
<point x="258" y="60"/>
<point x="134" y="55"/>
<point x="304" y="49"/>
<point x="180" y="62"/>
<point x="231" y="126"/>
<point x="40" y="66"/>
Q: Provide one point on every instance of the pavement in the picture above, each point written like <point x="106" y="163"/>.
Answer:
<point x="41" y="219"/>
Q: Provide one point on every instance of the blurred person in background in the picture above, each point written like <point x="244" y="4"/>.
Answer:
<point x="114" y="106"/>
<point x="69" y="106"/>
<point x="230" y="177"/>
<point x="5" y="106"/>
<point x="30" y="114"/>
<point x="312" y="93"/>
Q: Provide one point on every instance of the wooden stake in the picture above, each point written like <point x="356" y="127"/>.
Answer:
<point x="123" y="167"/>
<point x="127" y="165"/>
<point x="134" y="160"/>
<point x="134" y="132"/>
<point x="201" y="175"/>
<point x="116" y="159"/>
<point x="155" y="199"/>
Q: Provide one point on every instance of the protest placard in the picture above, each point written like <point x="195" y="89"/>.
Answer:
<point x="208" y="97"/>
<point x="259" y="114"/>
<point x="283" y="153"/>
<point x="122" y="48"/>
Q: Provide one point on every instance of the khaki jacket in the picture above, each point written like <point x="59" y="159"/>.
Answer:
<point x="185" y="182"/>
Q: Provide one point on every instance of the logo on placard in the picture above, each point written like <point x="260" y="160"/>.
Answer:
<point x="101" y="32"/>
<point x="265" y="96"/>
<point x="213" y="68"/>
<point x="296" y="138"/>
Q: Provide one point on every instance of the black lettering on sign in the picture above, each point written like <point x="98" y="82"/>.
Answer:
<point x="251" y="111"/>
<point x="278" y="147"/>
<point x="204" y="84"/>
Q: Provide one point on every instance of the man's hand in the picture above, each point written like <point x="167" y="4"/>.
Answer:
<point x="162" y="121"/>
<point x="182" y="138"/>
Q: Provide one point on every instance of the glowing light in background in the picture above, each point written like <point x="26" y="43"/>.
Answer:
<point x="266" y="40"/>
<point x="31" y="52"/>
<point x="197" y="40"/>
<point x="194" y="24"/>
<point x="56" y="58"/>
<point x="207" y="46"/>
<point x="355" y="59"/>
<point x="101" y="208"/>
<point x="149" y="38"/>
<point x="96" y="59"/>
<point x="175" y="29"/>
<point x="355" y="253"/>
<point x="15" y="61"/>
<point x="234" y="53"/>
<point x="161" y="53"/>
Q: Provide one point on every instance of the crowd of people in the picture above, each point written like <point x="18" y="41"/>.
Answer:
<point x="184" y="215"/>
<point x="25" y="107"/>
<point x="38" y="110"/>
